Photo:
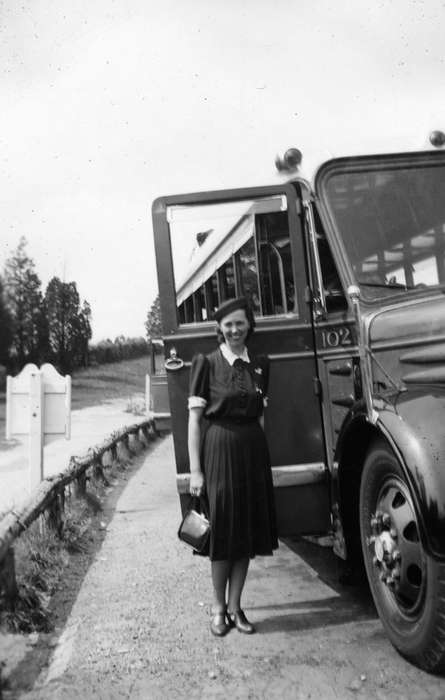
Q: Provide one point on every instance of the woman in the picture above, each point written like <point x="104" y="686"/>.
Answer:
<point x="229" y="460"/>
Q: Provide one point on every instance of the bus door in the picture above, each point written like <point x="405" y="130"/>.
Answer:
<point x="216" y="245"/>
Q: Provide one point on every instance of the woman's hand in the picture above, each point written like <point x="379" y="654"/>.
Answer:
<point x="196" y="483"/>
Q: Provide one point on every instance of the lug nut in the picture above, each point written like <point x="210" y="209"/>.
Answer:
<point x="375" y="561"/>
<point x="386" y="519"/>
<point x="393" y="533"/>
<point x="383" y="577"/>
<point x="396" y="555"/>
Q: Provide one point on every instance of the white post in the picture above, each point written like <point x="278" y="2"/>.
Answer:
<point x="35" y="429"/>
<point x="68" y="407"/>
<point x="9" y="381"/>
<point x="38" y="405"/>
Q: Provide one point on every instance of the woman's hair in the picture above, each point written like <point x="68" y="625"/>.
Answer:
<point x="250" y="319"/>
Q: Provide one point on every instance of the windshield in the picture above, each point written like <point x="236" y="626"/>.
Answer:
<point x="392" y="223"/>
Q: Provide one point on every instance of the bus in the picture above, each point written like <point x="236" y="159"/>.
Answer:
<point x="346" y="276"/>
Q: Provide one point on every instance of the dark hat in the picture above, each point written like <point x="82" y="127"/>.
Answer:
<point x="231" y="305"/>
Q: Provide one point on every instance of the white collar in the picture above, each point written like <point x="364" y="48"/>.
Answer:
<point x="231" y="357"/>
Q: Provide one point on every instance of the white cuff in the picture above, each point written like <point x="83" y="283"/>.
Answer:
<point x="196" y="402"/>
<point x="265" y="401"/>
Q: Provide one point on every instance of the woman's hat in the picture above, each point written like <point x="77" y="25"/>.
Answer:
<point x="231" y="305"/>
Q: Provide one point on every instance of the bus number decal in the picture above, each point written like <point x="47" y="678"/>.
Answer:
<point x="336" y="337"/>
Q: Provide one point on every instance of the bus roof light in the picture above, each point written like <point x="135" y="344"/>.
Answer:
<point x="437" y="138"/>
<point x="290" y="161"/>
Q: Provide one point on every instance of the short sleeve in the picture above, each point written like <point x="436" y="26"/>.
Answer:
<point x="199" y="382"/>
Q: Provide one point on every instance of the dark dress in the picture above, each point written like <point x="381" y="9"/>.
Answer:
<point x="234" y="455"/>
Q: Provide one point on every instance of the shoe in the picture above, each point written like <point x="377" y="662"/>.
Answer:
<point x="218" y="624"/>
<point x="239" y="620"/>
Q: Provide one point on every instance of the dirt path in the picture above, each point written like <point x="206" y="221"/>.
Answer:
<point x="139" y="626"/>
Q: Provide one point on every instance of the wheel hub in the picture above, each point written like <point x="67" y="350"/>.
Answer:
<point x="386" y="555"/>
<point x="395" y="547"/>
<point x="384" y="545"/>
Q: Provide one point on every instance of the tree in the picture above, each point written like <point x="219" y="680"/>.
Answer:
<point x="69" y="324"/>
<point x="153" y="324"/>
<point x="84" y="334"/>
<point x="6" y="332"/>
<point x="23" y="298"/>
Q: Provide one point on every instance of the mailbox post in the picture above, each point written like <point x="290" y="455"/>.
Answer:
<point x="38" y="404"/>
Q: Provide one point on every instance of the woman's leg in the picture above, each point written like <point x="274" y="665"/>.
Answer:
<point x="235" y="614"/>
<point x="237" y="579"/>
<point x="220" y="577"/>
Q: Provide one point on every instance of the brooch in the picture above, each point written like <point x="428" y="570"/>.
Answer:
<point x="258" y="370"/>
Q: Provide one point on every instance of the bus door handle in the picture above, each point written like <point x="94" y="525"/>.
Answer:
<point x="173" y="362"/>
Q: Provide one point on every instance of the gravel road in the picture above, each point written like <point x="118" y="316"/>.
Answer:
<point x="139" y="626"/>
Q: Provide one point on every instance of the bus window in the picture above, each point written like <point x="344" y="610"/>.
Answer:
<point x="201" y="300"/>
<point x="227" y="249"/>
<point x="333" y="290"/>
<point x="211" y="291"/>
<point x="392" y="223"/>
<point x="248" y="274"/>
<point x="276" y="278"/>
<point x="189" y="310"/>
<point x="197" y="306"/>
<point x="226" y="281"/>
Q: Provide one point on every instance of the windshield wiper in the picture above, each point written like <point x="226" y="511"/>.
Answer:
<point x="387" y="285"/>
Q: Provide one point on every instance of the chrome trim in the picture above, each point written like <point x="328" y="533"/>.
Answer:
<point x="298" y="474"/>
<point x="291" y="355"/>
<point x="173" y="363"/>
<point x="320" y="298"/>
<point x="409" y="343"/>
<point x="364" y="352"/>
<point x="346" y="351"/>
<point x="426" y="355"/>
<point x="283" y="476"/>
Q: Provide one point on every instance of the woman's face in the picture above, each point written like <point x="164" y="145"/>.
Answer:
<point x="235" y="328"/>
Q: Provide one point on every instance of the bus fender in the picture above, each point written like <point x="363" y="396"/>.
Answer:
<point x="413" y="427"/>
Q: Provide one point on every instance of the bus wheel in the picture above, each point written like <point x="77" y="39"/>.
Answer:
<point x="407" y="584"/>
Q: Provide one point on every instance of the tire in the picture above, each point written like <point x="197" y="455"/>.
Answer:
<point x="407" y="584"/>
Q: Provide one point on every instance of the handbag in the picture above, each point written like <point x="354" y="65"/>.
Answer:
<point x="194" y="529"/>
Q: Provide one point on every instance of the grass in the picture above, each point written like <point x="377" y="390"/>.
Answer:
<point x="42" y="555"/>
<point x="118" y="380"/>
<point x="97" y="385"/>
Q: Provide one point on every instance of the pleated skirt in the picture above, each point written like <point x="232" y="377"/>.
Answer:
<point x="239" y="489"/>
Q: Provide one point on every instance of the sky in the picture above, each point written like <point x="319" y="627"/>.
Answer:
<point x="107" y="104"/>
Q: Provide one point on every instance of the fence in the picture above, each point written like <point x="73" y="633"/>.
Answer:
<point x="50" y="495"/>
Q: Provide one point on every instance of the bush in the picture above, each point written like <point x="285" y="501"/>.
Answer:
<point x="116" y="350"/>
